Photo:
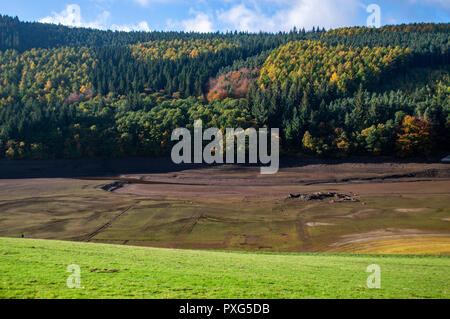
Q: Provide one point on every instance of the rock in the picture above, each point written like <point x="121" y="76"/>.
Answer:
<point x="114" y="186"/>
<point x="337" y="197"/>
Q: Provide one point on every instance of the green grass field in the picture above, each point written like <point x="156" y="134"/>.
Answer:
<point x="37" y="269"/>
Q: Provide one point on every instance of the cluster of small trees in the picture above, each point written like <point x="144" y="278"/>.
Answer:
<point x="413" y="27"/>
<point x="43" y="74"/>
<point x="126" y="126"/>
<point x="142" y="125"/>
<point x="412" y="137"/>
<point x="177" y="49"/>
<point x="321" y="123"/>
<point x="312" y="62"/>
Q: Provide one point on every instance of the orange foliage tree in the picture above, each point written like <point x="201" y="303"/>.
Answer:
<point x="234" y="84"/>
<point x="414" y="137"/>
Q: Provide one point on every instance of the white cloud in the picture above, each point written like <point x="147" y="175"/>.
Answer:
<point x="245" y="15"/>
<point x="145" y="3"/>
<point x="141" y="26"/>
<point x="142" y="2"/>
<point x="298" y="13"/>
<point x="242" y="18"/>
<point x="201" y="22"/>
<point x="325" y="13"/>
<point x="71" y="16"/>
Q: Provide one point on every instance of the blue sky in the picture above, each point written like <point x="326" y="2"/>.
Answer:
<point x="214" y="15"/>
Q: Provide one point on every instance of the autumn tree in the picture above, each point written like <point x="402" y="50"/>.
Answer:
<point x="414" y="137"/>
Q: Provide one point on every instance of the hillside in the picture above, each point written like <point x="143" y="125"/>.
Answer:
<point x="79" y="93"/>
<point x="37" y="269"/>
<point x="316" y="63"/>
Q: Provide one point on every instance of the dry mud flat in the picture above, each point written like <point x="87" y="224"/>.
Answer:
<point x="343" y="207"/>
<point x="230" y="181"/>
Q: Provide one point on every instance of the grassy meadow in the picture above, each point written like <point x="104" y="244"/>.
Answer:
<point x="37" y="269"/>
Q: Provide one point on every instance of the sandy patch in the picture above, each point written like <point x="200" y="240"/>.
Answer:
<point x="388" y="233"/>
<point x="315" y="224"/>
<point x="360" y="214"/>
<point x="410" y="210"/>
<point x="428" y="245"/>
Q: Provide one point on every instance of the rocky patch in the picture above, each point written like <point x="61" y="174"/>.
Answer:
<point x="114" y="186"/>
<point x="335" y="197"/>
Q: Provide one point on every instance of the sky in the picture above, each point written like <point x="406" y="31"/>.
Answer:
<point x="225" y="15"/>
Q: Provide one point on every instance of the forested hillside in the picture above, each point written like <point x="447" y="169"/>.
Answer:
<point x="74" y="92"/>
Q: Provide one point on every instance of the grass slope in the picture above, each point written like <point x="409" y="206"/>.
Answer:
<point x="37" y="269"/>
